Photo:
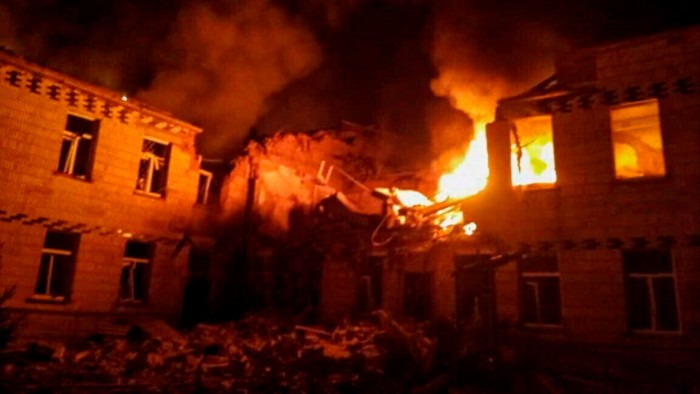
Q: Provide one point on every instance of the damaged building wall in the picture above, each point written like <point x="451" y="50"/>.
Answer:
<point x="280" y="181"/>
<point x="602" y="263"/>
<point x="624" y="245"/>
<point x="112" y="177"/>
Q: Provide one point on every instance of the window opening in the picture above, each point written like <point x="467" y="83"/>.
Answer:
<point x="135" y="274"/>
<point x="56" y="267"/>
<point x="637" y="142"/>
<point x="203" y="187"/>
<point x="650" y="291"/>
<point x="532" y="151"/>
<point x="77" y="147"/>
<point x="540" y="293"/>
<point x="152" y="177"/>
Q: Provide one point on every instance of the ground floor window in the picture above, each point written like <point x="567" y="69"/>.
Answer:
<point x="650" y="290"/>
<point x="540" y="298"/>
<point x="56" y="268"/>
<point x="135" y="274"/>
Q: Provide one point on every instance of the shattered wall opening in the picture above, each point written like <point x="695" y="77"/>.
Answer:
<point x="532" y="157"/>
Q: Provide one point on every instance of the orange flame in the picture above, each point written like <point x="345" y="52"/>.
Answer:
<point x="471" y="175"/>
<point x="535" y="167"/>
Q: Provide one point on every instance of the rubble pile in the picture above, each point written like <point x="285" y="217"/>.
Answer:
<point x="255" y="354"/>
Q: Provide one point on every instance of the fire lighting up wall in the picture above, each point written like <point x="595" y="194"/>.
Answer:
<point x="532" y="151"/>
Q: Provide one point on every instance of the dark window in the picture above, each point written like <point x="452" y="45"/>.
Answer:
<point x="56" y="267"/>
<point x="153" y="168"/>
<point x="539" y="290"/>
<point x="472" y="288"/>
<point x="650" y="290"/>
<point x="370" y="291"/>
<point x="77" y="147"/>
<point x="203" y="187"/>
<point x="136" y="270"/>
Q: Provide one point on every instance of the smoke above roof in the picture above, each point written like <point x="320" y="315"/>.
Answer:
<point x="230" y="66"/>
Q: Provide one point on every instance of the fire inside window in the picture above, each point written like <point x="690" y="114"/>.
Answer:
<point x="136" y="267"/>
<point x="636" y="136"/>
<point x="532" y="151"/>
<point x="153" y="169"/>
<point x="77" y="147"/>
<point x="55" y="275"/>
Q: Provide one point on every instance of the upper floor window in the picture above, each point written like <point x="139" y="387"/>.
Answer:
<point x="650" y="290"/>
<point x="77" y="147"/>
<point x="153" y="169"/>
<point x="532" y="151"/>
<point x="55" y="276"/>
<point x="203" y="187"/>
<point x="136" y="269"/>
<point x="636" y="137"/>
<point x="539" y="290"/>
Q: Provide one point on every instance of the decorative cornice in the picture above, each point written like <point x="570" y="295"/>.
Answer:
<point x="589" y="97"/>
<point x="612" y="243"/>
<point x="22" y="74"/>
<point x="81" y="228"/>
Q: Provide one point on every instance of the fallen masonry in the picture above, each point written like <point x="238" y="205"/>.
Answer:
<point x="253" y="355"/>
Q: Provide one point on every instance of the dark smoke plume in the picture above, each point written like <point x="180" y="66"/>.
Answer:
<point x="224" y="62"/>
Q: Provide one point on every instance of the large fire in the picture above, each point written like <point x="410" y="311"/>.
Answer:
<point x="468" y="178"/>
<point x="532" y="163"/>
<point x="471" y="175"/>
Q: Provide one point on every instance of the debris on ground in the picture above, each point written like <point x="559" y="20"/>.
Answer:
<point x="254" y="354"/>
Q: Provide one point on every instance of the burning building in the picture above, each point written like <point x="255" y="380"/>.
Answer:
<point x="589" y="226"/>
<point x="97" y="196"/>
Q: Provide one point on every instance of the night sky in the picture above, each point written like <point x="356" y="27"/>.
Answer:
<point x="231" y="66"/>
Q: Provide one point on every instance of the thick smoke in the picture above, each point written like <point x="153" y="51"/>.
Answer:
<point x="6" y="28"/>
<point x="483" y="54"/>
<point x="229" y="65"/>
<point x="227" y="61"/>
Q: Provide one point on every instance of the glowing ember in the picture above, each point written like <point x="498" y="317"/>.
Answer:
<point x="412" y="198"/>
<point x="469" y="228"/>
<point x="471" y="175"/>
<point x="452" y="218"/>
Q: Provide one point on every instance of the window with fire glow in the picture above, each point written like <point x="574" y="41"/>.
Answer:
<point x="636" y="137"/>
<point x="532" y="151"/>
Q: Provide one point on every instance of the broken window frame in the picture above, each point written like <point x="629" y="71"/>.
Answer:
<point x="651" y="281"/>
<point x="57" y="255"/>
<point x="529" y="277"/>
<point x="131" y="264"/>
<point x="149" y="164"/>
<point x="70" y="158"/>
<point x="203" y="190"/>
<point x="659" y="130"/>
<point x="519" y="145"/>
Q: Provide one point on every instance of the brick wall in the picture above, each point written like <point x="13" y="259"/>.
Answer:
<point x="589" y="217"/>
<point x="104" y="210"/>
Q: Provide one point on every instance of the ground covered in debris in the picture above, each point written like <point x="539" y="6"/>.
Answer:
<point x="253" y="355"/>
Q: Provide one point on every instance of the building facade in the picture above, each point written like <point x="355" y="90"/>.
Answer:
<point x="611" y="245"/>
<point x="594" y="192"/>
<point x="96" y="202"/>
